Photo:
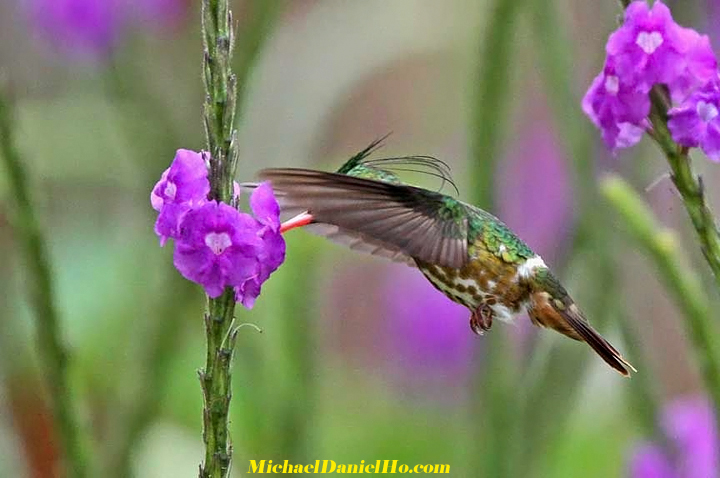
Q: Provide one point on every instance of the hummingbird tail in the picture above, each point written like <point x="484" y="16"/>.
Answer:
<point x="565" y="317"/>
<point x="602" y="347"/>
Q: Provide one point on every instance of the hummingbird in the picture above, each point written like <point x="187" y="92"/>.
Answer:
<point x="465" y="252"/>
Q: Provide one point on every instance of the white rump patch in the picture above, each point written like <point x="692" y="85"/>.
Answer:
<point x="503" y="313"/>
<point x="528" y="267"/>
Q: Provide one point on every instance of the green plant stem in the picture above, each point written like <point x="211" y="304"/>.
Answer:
<point x="494" y="406"/>
<point x="141" y="383"/>
<point x="661" y="247"/>
<point x="51" y="348"/>
<point x="215" y="382"/>
<point x="219" y="117"/>
<point x="564" y="366"/>
<point x="690" y="186"/>
<point x="144" y="378"/>
<point x="492" y="97"/>
<point x="221" y="87"/>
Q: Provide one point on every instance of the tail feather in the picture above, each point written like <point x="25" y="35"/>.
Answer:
<point x="598" y="343"/>
<point x="569" y="321"/>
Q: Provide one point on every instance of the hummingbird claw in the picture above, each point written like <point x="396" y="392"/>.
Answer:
<point x="481" y="319"/>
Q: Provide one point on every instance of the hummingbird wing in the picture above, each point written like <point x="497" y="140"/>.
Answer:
<point x="394" y="220"/>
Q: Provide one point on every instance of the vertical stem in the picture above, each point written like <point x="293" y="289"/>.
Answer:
<point x="215" y="382"/>
<point x="51" y="348"/>
<point x="152" y="345"/>
<point x="684" y="287"/>
<point x="492" y="97"/>
<point x="142" y="382"/>
<point x="221" y="102"/>
<point x="219" y="116"/>
<point x="220" y="95"/>
<point x="591" y="243"/>
<point x="494" y="406"/>
<point x="691" y="187"/>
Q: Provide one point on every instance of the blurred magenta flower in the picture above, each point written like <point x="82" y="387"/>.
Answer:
<point x="183" y="186"/>
<point x="534" y="193"/>
<point x="91" y="29"/>
<point x="428" y="336"/>
<point x="85" y="28"/>
<point x="217" y="246"/>
<point x="649" y="48"/>
<point x="689" y="426"/>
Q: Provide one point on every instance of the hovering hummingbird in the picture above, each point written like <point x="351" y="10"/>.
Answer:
<point x="466" y="253"/>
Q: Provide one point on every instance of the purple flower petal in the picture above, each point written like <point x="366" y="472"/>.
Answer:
<point x="648" y="48"/>
<point x="696" y="122"/>
<point x="685" y="126"/>
<point x="183" y="186"/>
<point x="265" y="207"/>
<point x="617" y="108"/>
<point x="218" y="247"/>
<point x="711" y="144"/>
<point x="700" y="66"/>
<point x="267" y="212"/>
<point x="270" y="257"/>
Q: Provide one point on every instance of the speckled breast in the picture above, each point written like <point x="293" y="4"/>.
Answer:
<point x="485" y="279"/>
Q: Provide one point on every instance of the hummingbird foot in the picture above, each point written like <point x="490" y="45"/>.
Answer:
<point x="481" y="319"/>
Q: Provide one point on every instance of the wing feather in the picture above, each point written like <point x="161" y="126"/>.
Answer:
<point x="393" y="219"/>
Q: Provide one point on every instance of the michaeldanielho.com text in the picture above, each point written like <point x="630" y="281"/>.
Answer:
<point x="329" y="466"/>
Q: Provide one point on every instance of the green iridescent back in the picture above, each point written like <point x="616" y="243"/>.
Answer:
<point x="497" y="237"/>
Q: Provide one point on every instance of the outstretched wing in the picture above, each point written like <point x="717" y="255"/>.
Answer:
<point x="395" y="220"/>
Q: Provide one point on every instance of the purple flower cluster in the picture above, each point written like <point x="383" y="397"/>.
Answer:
<point x="689" y="426"/>
<point x="216" y="245"/>
<point x="651" y="49"/>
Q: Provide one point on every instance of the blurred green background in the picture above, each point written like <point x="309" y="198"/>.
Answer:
<point x="358" y="359"/>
